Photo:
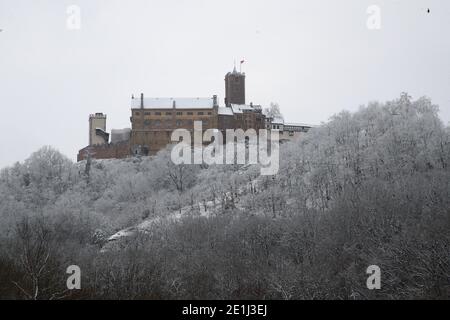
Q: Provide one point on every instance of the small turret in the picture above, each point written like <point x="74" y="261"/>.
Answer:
<point x="97" y="129"/>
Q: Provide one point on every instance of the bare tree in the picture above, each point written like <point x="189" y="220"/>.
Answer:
<point x="35" y="250"/>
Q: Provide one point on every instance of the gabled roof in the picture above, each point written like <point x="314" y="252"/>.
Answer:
<point x="168" y="103"/>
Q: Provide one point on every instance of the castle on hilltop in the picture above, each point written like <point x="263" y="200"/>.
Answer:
<point x="154" y="119"/>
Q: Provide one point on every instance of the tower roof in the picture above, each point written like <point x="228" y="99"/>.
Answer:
<point x="235" y="73"/>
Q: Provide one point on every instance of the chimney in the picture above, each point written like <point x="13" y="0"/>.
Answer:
<point x="215" y="101"/>
<point x="142" y="101"/>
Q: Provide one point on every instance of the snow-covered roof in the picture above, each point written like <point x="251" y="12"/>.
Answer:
<point x="239" y="108"/>
<point x="236" y="108"/>
<point x="225" y="111"/>
<point x="299" y="125"/>
<point x="121" y="131"/>
<point x="168" y="103"/>
<point x="102" y="133"/>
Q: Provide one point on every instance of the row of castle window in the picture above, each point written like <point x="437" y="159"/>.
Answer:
<point x="296" y="129"/>
<point x="179" y="113"/>
<point x="179" y="123"/>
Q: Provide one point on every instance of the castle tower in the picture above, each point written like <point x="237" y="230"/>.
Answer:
<point x="97" y="129"/>
<point x="234" y="88"/>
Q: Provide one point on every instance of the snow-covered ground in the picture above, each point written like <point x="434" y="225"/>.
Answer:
<point x="202" y="209"/>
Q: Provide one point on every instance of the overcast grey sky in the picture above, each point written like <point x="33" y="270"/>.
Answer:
<point x="315" y="58"/>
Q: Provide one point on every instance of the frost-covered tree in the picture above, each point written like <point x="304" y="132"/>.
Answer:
<point x="273" y="111"/>
<point x="370" y="186"/>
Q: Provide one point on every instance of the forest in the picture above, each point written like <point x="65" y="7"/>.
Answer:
<point x="370" y="187"/>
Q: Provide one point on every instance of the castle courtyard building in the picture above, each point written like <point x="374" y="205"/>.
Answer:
<point x="154" y="119"/>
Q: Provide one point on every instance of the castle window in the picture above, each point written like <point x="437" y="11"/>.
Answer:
<point x="147" y="113"/>
<point x="168" y="113"/>
<point x="136" y="113"/>
<point x="200" y="113"/>
<point x="209" y="113"/>
<point x="157" y="113"/>
<point x="179" y="113"/>
<point x="190" y="113"/>
<point x="147" y="123"/>
<point x="205" y="122"/>
<point x="157" y="123"/>
<point x="179" y="123"/>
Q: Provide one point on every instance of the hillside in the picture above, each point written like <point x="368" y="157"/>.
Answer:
<point x="370" y="187"/>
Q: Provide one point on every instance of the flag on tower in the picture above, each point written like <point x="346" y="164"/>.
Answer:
<point x="242" y="61"/>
